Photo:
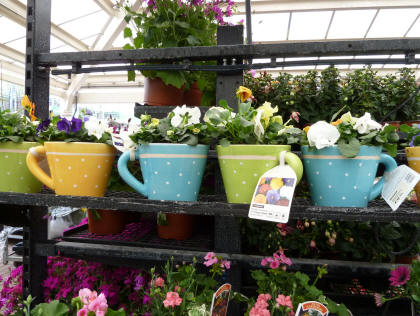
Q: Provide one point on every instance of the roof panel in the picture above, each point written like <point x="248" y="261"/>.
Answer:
<point x="14" y="30"/>
<point x="62" y="11"/>
<point x="344" y="26"/>
<point x="86" y="26"/>
<point x="392" y="22"/>
<point x="309" y="25"/>
<point x="269" y="27"/>
<point x="415" y="30"/>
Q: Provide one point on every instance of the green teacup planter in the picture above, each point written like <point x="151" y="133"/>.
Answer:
<point x="243" y="165"/>
<point x="14" y="174"/>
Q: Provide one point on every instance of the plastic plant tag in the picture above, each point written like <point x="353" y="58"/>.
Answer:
<point x="220" y="301"/>
<point x="273" y="195"/>
<point x="312" y="308"/>
<point x="398" y="184"/>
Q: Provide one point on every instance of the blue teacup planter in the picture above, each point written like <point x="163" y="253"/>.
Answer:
<point x="335" y="180"/>
<point x="170" y="171"/>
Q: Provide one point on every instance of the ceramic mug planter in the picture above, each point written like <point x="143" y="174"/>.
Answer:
<point x="338" y="181"/>
<point x="243" y="165"/>
<point x="15" y="175"/>
<point x="413" y="158"/>
<point x="171" y="172"/>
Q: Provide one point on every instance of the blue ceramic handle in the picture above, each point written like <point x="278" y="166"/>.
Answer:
<point x="390" y="165"/>
<point x="128" y="177"/>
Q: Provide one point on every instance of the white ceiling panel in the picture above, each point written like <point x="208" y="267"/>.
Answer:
<point x="344" y="24"/>
<point x="309" y="25"/>
<point x="392" y="22"/>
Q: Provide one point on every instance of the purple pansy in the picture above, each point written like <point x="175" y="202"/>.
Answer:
<point x="64" y="125"/>
<point x="76" y="124"/>
<point x="43" y="125"/>
<point x="273" y="196"/>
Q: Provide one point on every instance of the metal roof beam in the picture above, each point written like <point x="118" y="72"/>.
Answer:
<point x="16" y="11"/>
<point x="108" y="7"/>
<point x="277" y="6"/>
<point x="11" y="53"/>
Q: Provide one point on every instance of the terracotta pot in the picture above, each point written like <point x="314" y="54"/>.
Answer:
<point x="404" y="259"/>
<point x="396" y="124"/>
<point x="110" y="222"/>
<point x="193" y="96"/>
<point x="157" y="93"/>
<point x="412" y="122"/>
<point x="179" y="227"/>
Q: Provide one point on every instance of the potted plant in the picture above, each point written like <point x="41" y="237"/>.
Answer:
<point x="412" y="150"/>
<point x="341" y="159"/>
<point x="250" y="142"/>
<point x="80" y="157"/>
<point x="174" y="23"/>
<point x="173" y="154"/>
<point x="17" y="135"/>
<point x="281" y="292"/>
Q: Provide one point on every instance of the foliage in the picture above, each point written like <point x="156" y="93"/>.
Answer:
<point x="16" y="127"/>
<point x="176" y="23"/>
<point x="280" y="292"/>
<point x="182" y="125"/>
<point x="412" y="135"/>
<point x="249" y="126"/>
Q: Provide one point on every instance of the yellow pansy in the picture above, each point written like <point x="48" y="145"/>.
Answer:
<point x="155" y="122"/>
<point x="29" y="107"/>
<point x="276" y="183"/>
<point x="338" y="122"/>
<point x="306" y="129"/>
<point x="348" y="118"/>
<point x="268" y="112"/>
<point x="243" y="93"/>
<point x="196" y="130"/>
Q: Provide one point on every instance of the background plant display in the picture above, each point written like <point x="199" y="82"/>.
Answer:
<point x="317" y="96"/>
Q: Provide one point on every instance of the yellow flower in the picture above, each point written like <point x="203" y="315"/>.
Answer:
<point x="155" y="122"/>
<point x="277" y="119"/>
<point x="306" y="129"/>
<point x="348" y="118"/>
<point x="262" y="181"/>
<point x="84" y="209"/>
<point x="268" y="112"/>
<point x="196" y="130"/>
<point x="276" y="183"/>
<point x="338" y="122"/>
<point x="169" y="132"/>
<point x="243" y="93"/>
<point x="29" y="107"/>
<point x="260" y="198"/>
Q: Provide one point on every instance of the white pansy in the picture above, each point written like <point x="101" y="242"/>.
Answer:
<point x="180" y="112"/>
<point x="348" y="118"/>
<point x="258" y="128"/>
<point x="96" y="127"/>
<point x="322" y="134"/>
<point x="365" y="124"/>
<point x="122" y="141"/>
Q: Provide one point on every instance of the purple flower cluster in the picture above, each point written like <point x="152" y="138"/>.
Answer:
<point x="69" y="126"/>
<point x="11" y="293"/>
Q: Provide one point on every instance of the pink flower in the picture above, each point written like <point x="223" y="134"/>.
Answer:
<point x="264" y="262"/>
<point x="284" y="259"/>
<point x="378" y="299"/>
<point x="158" y="282"/>
<point x="99" y="305"/>
<point x="264" y="297"/>
<point x="284" y="301"/>
<point x="274" y="264"/>
<point x="312" y="244"/>
<point x="209" y="255"/>
<point x="295" y="116"/>
<point x="225" y="264"/>
<point x="252" y="72"/>
<point x="399" y="276"/>
<point x="210" y="259"/>
<point x="87" y="296"/>
<point x="172" y="300"/>
<point x="83" y="312"/>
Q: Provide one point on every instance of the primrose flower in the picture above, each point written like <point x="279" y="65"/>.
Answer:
<point x="365" y="124"/>
<point x="243" y="93"/>
<point x="268" y="112"/>
<point x="184" y="116"/>
<point x="322" y="135"/>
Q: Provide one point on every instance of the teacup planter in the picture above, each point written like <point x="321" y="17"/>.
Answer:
<point x="413" y="158"/>
<point x="15" y="175"/>
<point x="243" y="165"/>
<point x="338" y="181"/>
<point x="77" y="168"/>
<point x="171" y="172"/>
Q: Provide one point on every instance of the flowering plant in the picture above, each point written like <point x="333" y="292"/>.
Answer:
<point x="280" y="292"/>
<point x="181" y="290"/>
<point x="16" y="128"/>
<point x="250" y="126"/>
<point x="182" y="125"/>
<point x="405" y="283"/>
<point x="349" y="133"/>
<point x="412" y="135"/>
<point x="176" y="23"/>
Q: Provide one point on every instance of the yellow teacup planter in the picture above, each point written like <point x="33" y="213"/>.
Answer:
<point x="76" y="168"/>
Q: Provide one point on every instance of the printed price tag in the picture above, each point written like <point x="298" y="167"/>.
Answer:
<point x="311" y="308"/>
<point x="273" y="195"/>
<point x="220" y="301"/>
<point x="398" y="184"/>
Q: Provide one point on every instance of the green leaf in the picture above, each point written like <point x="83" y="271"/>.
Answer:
<point x="127" y="32"/>
<point x="111" y="312"/>
<point x="416" y="298"/>
<point x="224" y="142"/>
<point x="54" y="308"/>
<point x="192" y="40"/>
<point x="137" y="42"/>
<point x="223" y="103"/>
<point x="350" y="149"/>
<point x="182" y="24"/>
<point x="131" y="75"/>
<point x="128" y="46"/>
<point x="174" y="78"/>
<point x="258" y="275"/>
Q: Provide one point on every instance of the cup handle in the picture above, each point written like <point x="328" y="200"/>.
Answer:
<point x="295" y="163"/>
<point x="35" y="169"/>
<point x="390" y="165"/>
<point x="128" y="177"/>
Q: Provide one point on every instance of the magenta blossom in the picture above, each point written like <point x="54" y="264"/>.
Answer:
<point x="399" y="276"/>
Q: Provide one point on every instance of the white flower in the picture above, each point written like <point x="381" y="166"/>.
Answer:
<point x="365" y="124"/>
<point x="180" y="113"/>
<point x="258" y="128"/>
<point x="122" y="141"/>
<point x="95" y="127"/>
<point x="322" y="134"/>
<point x="217" y="116"/>
<point x="348" y="118"/>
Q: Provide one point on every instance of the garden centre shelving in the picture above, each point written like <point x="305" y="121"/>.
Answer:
<point x="29" y="210"/>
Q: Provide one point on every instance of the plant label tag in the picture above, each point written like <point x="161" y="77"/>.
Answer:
<point x="311" y="308"/>
<point x="273" y="195"/>
<point x="398" y="184"/>
<point x="220" y="301"/>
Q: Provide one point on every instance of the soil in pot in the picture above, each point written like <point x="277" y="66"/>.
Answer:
<point x="180" y="227"/>
<point x="157" y="93"/>
<point x="109" y="222"/>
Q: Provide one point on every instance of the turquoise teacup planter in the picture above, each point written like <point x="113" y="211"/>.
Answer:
<point x="335" y="180"/>
<point x="170" y="171"/>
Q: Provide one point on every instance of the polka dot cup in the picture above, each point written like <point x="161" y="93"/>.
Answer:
<point x="171" y="172"/>
<point x="335" y="180"/>
<point x="15" y="175"/>
<point x="243" y="165"/>
<point x="76" y="168"/>
<point x="413" y="158"/>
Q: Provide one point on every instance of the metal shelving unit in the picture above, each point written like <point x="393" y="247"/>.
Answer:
<point x="29" y="210"/>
